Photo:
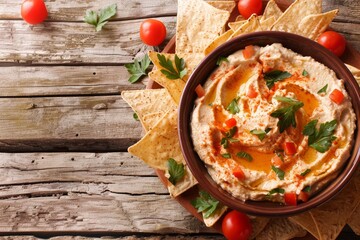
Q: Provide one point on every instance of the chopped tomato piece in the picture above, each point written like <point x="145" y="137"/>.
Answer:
<point x="290" y="198"/>
<point x="200" y="91"/>
<point x="239" y="173"/>
<point x="276" y="161"/>
<point x="249" y="51"/>
<point x="230" y="122"/>
<point x="303" y="196"/>
<point x="251" y="92"/>
<point x="289" y="148"/>
<point x="336" y="96"/>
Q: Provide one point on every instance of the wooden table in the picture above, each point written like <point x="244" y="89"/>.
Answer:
<point x="64" y="128"/>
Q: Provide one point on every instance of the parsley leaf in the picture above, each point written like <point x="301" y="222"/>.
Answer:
<point x="305" y="73"/>
<point x="277" y="190"/>
<point x="304" y="173"/>
<point x="280" y="173"/>
<point x="260" y="133"/>
<point x="244" y="155"/>
<point x="228" y="137"/>
<point x="221" y="60"/>
<point x="307" y="189"/>
<point x="280" y="154"/>
<point x="205" y="203"/>
<point x="226" y="155"/>
<point x="136" y="117"/>
<point x="233" y="107"/>
<point x="138" y="69"/>
<point x="286" y="115"/>
<point x="274" y="76"/>
<point x="323" y="89"/>
<point x="176" y="171"/>
<point x="169" y="71"/>
<point x="321" y="139"/>
<point x="101" y="18"/>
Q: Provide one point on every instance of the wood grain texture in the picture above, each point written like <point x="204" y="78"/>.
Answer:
<point x="203" y="236"/>
<point x="67" y="123"/>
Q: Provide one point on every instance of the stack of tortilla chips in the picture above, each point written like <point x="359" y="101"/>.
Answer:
<point x="201" y="27"/>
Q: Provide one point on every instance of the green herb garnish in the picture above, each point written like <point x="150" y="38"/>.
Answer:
<point x="286" y="115"/>
<point x="304" y="173"/>
<point x="169" y="71"/>
<point x="136" y="117"/>
<point x="205" y="203"/>
<point x="233" y="107"/>
<point x="277" y="190"/>
<point x="100" y="18"/>
<point x="226" y="155"/>
<point x="307" y="189"/>
<point x="321" y="139"/>
<point x="229" y="137"/>
<point x="260" y="133"/>
<point x="280" y="173"/>
<point x="221" y="60"/>
<point x="138" y="69"/>
<point x="280" y="154"/>
<point x="323" y="89"/>
<point x="305" y="73"/>
<point x="244" y="155"/>
<point x="176" y="171"/>
<point x="274" y="76"/>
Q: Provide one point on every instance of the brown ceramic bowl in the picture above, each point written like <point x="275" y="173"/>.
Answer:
<point x="303" y="46"/>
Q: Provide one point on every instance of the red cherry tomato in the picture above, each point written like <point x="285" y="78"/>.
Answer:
<point x="236" y="226"/>
<point x="248" y="7"/>
<point x="333" y="41"/>
<point x="152" y="32"/>
<point x="33" y="11"/>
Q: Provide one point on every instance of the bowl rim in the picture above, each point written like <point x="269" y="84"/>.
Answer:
<point x="296" y="43"/>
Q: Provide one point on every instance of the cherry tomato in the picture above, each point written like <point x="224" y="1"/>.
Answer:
<point x="336" y="96"/>
<point x="290" y="198"/>
<point x="248" y="7"/>
<point x="33" y="11"/>
<point x="152" y="32"/>
<point x="333" y="41"/>
<point x="236" y="226"/>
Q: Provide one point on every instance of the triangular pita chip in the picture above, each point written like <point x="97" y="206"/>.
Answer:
<point x="223" y="5"/>
<point x="267" y="23"/>
<point x="210" y="221"/>
<point x="355" y="72"/>
<point x="150" y="119"/>
<point x="186" y="183"/>
<point x="218" y="41"/>
<point x="281" y="229"/>
<point x="235" y="25"/>
<point x="240" y="18"/>
<point x="306" y="221"/>
<point x="198" y="24"/>
<point x="251" y="25"/>
<point x="354" y="221"/>
<point x="271" y="10"/>
<point x="258" y="224"/>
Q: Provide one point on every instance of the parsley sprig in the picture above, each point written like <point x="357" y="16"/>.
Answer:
<point x="274" y="76"/>
<point x="229" y="137"/>
<point x="321" y="139"/>
<point x="323" y="89"/>
<point x="100" y="18"/>
<point x="245" y="155"/>
<point x="171" y="72"/>
<point x="205" y="203"/>
<point x="176" y="171"/>
<point x="280" y="173"/>
<point x="286" y="115"/>
<point x="233" y="107"/>
<point x="138" y="69"/>
<point x="260" y="133"/>
<point x="221" y="60"/>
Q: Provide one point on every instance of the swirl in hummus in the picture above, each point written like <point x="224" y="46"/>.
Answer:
<point x="274" y="125"/>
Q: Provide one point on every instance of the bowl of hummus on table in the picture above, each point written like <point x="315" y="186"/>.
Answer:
<point x="268" y="124"/>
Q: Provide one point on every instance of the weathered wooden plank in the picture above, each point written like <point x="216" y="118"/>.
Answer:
<point x="203" y="236"/>
<point x="351" y="31"/>
<point x="64" y="80"/>
<point x="349" y="10"/>
<point x="98" y="123"/>
<point x="71" y="11"/>
<point x="72" y="43"/>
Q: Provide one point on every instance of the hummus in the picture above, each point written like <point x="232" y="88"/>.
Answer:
<point x="274" y="124"/>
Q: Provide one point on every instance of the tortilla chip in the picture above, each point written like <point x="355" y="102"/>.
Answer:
<point x="160" y="143"/>
<point x="198" y="24"/>
<point x="271" y="10"/>
<point x="354" y="221"/>
<point x="235" y="25"/>
<point x="210" y="221"/>
<point x="306" y="221"/>
<point x="267" y="23"/>
<point x="281" y="228"/>
<point x="239" y="18"/>
<point x="355" y="72"/>
<point x="331" y="217"/>
<point x="251" y="25"/>
<point x="186" y="183"/>
<point x="290" y="19"/>
<point x="315" y="24"/>
<point x="258" y="224"/>
<point x="148" y="101"/>
<point x="218" y="41"/>
<point x="223" y="5"/>
<point x="150" y="119"/>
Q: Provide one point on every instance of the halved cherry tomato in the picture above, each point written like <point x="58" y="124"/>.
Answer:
<point x="152" y="32"/>
<point x="303" y="196"/>
<point x="333" y="41"/>
<point x="290" y="198"/>
<point x="33" y="11"/>
<point x="230" y="122"/>
<point x="251" y="92"/>
<point x="289" y="148"/>
<point x="276" y="161"/>
<point x="248" y="7"/>
<point x="236" y="226"/>
<point x="239" y="173"/>
<point x="200" y="91"/>
<point x="336" y="96"/>
<point x="248" y="52"/>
